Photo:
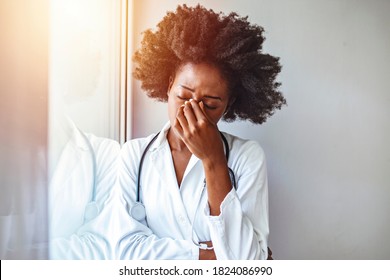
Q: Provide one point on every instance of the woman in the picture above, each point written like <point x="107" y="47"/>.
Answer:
<point x="207" y="66"/>
<point x="84" y="172"/>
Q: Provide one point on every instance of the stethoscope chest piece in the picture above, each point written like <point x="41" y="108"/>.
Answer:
<point x="91" y="211"/>
<point x="137" y="211"/>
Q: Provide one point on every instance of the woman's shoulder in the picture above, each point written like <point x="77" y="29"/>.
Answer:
<point x="237" y="142"/>
<point x="137" y="144"/>
<point x="104" y="148"/>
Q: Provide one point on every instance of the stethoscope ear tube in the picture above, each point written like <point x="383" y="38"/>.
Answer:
<point x="91" y="209"/>
<point x="141" y="163"/>
<point x="227" y="153"/>
<point x="137" y="211"/>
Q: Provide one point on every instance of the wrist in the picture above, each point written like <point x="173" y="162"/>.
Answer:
<point x="213" y="162"/>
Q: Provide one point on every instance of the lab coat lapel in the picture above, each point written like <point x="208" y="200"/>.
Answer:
<point x="163" y="164"/>
<point x="193" y="161"/>
<point x="74" y="155"/>
<point x="162" y="161"/>
<point x="70" y="186"/>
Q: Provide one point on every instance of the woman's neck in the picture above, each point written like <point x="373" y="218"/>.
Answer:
<point x="175" y="142"/>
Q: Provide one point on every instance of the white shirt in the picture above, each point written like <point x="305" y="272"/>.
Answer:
<point x="177" y="218"/>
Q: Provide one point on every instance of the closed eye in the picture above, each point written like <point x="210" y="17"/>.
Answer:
<point x="209" y="107"/>
<point x="183" y="98"/>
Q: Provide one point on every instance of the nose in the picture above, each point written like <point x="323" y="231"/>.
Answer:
<point x="197" y="97"/>
<point x="197" y="100"/>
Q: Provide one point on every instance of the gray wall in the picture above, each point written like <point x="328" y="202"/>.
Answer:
<point x="327" y="151"/>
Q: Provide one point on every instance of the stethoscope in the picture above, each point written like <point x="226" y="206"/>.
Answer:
<point x="92" y="208"/>
<point x="138" y="212"/>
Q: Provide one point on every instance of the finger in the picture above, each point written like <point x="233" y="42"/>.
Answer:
<point x="198" y="111"/>
<point x="189" y="114"/>
<point x="201" y="106"/>
<point x="178" y="129"/>
<point x="181" y="119"/>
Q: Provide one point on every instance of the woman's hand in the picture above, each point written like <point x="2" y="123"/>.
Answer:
<point x="198" y="132"/>
<point x="203" y="139"/>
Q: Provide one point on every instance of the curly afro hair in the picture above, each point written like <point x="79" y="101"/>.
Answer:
<point x="231" y="43"/>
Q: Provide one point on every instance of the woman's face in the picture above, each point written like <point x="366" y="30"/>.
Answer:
<point x="201" y="82"/>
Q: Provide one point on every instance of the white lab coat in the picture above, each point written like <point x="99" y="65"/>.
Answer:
<point x="176" y="218"/>
<point x="72" y="236"/>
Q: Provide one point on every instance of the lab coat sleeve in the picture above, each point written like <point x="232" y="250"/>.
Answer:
<point x="89" y="248"/>
<point x="94" y="239"/>
<point x="136" y="240"/>
<point x="241" y="230"/>
<point x="107" y="159"/>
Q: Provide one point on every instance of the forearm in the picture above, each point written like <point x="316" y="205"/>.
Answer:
<point x="233" y="233"/>
<point x="217" y="182"/>
<point x="141" y="246"/>
<point x="241" y="230"/>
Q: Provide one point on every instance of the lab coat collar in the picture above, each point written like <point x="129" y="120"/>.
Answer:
<point x="78" y="139"/>
<point x="161" y="138"/>
<point x="73" y="152"/>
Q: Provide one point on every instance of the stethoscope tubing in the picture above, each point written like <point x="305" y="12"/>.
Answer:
<point x="91" y="209"/>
